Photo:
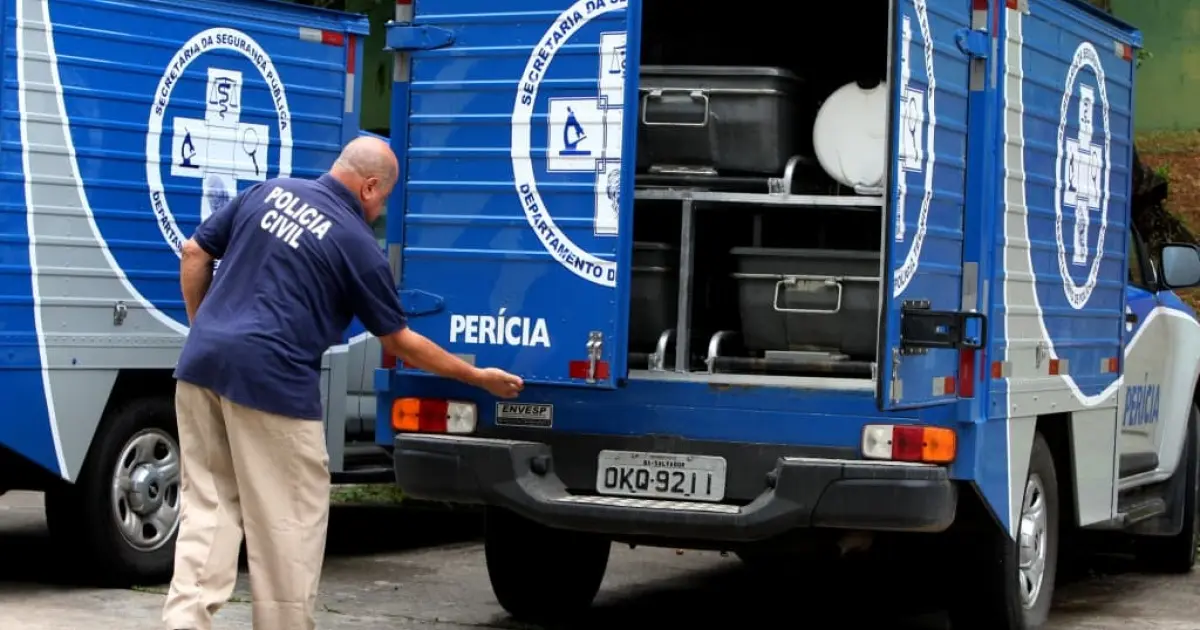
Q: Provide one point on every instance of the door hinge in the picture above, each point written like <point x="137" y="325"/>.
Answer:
<point x="417" y="303"/>
<point x="973" y="42"/>
<point x="921" y="327"/>
<point x="897" y="385"/>
<point x="403" y="36"/>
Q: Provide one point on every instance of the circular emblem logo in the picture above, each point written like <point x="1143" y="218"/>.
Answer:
<point x="216" y="147"/>
<point x="583" y="136"/>
<point x="1081" y="176"/>
<point x="915" y="154"/>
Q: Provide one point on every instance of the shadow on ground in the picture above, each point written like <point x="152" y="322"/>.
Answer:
<point x="27" y="555"/>
<point x="859" y="592"/>
<point x="821" y="595"/>
<point x="366" y="530"/>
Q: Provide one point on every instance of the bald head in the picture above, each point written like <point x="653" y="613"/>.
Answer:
<point x="368" y="157"/>
<point x="368" y="167"/>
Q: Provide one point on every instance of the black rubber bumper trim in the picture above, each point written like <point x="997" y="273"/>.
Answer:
<point x="808" y="492"/>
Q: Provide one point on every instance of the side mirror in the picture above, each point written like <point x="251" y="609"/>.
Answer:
<point x="1180" y="265"/>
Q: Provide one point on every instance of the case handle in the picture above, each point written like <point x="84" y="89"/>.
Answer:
<point x="808" y="286"/>
<point x="674" y="95"/>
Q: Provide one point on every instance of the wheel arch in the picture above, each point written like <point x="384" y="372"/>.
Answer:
<point x="128" y="385"/>
<point x="1057" y="430"/>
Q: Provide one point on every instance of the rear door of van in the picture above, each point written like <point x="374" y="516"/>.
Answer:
<point x="928" y="291"/>
<point x="512" y="251"/>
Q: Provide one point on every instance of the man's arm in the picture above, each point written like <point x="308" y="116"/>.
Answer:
<point x="199" y="252"/>
<point x="373" y="297"/>
<point x="195" y="276"/>
<point x="416" y="350"/>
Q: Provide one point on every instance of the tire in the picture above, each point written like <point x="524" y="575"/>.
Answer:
<point x="1177" y="554"/>
<point x="998" y="601"/>
<point x="540" y="574"/>
<point x="139" y="440"/>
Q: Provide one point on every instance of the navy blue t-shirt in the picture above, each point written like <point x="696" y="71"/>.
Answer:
<point x="298" y="262"/>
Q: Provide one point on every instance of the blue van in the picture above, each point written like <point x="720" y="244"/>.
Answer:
<point x="129" y="122"/>
<point x="778" y="279"/>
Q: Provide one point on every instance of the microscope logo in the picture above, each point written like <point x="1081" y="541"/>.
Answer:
<point x="583" y="139"/>
<point x="585" y="133"/>
<point x="222" y="149"/>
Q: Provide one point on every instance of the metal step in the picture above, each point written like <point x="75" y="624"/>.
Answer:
<point x="651" y="504"/>
<point x="1146" y="508"/>
<point x="1132" y="510"/>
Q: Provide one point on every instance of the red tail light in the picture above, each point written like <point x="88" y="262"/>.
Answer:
<point x="966" y="373"/>
<point x="431" y="415"/>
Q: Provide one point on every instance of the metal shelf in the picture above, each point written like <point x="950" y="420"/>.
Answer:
<point x="763" y="199"/>
<point x="777" y="194"/>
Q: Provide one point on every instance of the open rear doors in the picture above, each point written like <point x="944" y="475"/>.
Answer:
<point x="531" y="278"/>
<point x="926" y="292"/>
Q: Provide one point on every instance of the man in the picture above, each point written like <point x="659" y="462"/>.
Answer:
<point x="298" y="260"/>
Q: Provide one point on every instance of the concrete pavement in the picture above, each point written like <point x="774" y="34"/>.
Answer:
<point x="398" y="570"/>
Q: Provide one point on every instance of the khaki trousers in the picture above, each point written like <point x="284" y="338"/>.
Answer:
<point x="247" y="471"/>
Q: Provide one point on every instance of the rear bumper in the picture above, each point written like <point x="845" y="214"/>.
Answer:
<point x="806" y="492"/>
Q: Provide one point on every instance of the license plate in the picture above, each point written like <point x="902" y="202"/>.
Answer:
<point x="661" y="475"/>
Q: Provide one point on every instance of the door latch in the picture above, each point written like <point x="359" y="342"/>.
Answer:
<point x="973" y="43"/>
<point x="922" y="327"/>
<point x="120" y="312"/>
<point x="402" y="36"/>
<point x="595" y="349"/>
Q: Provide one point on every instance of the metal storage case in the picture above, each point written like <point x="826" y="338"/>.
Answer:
<point x="808" y="299"/>
<point x="654" y="299"/>
<point x="729" y="119"/>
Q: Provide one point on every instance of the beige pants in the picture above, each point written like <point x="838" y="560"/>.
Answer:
<point x="266" y="475"/>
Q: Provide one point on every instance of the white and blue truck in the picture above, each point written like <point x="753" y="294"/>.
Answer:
<point x="866" y="271"/>
<point x="127" y="122"/>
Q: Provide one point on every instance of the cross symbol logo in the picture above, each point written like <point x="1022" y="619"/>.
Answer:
<point x="1084" y="163"/>
<point x="221" y="149"/>
<point x="584" y="134"/>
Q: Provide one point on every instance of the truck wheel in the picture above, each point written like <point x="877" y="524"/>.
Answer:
<point x="1017" y="576"/>
<point x="122" y="514"/>
<point x="1177" y="554"/>
<point x="540" y="574"/>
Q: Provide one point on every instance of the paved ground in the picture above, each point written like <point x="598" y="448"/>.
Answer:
<point x="396" y="570"/>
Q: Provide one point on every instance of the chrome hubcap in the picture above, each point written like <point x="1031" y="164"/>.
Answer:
<point x="145" y="489"/>
<point x="1031" y="542"/>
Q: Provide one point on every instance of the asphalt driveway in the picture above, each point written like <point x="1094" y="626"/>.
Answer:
<point x="397" y="569"/>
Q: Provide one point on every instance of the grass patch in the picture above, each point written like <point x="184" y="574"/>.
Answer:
<point x="367" y="494"/>
<point x="1167" y="142"/>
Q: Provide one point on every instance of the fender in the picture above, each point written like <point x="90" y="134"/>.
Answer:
<point x="1181" y="386"/>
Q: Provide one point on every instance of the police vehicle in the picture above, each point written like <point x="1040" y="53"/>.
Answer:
<point x="866" y="274"/>
<point x="131" y="120"/>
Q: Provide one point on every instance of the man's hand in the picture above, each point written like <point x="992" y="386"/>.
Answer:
<point x="499" y="383"/>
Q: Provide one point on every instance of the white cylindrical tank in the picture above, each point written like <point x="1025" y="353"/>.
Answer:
<point x="850" y="135"/>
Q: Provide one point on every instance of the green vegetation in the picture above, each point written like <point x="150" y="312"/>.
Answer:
<point x="372" y="494"/>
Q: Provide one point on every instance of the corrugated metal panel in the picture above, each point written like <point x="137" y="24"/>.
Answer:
<point x="117" y="132"/>
<point x="928" y="188"/>
<point x="528" y="271"/>
<point x="1077" y="104"/>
